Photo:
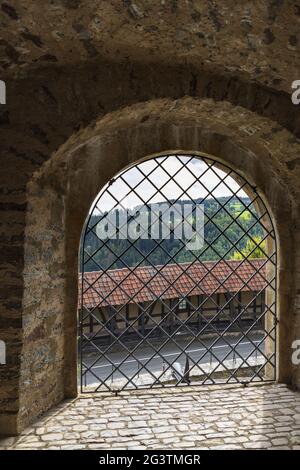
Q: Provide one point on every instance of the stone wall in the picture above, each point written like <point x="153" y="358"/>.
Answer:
<point x="63" y="190"/>
<point x="69" y="67"/>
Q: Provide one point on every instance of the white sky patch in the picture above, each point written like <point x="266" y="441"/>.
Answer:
<point x="147" y="182"/>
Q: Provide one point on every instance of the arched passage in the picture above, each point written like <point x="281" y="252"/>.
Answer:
<point x="61" y="194"/>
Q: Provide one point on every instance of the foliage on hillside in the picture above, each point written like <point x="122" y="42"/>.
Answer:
<point x="231" y="231"/>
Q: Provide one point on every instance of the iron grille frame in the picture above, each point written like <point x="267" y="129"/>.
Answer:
<point x="271" y="310"/>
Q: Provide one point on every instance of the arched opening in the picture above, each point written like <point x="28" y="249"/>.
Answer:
<point x="178" y="272"/>
<point x="61" y="195"/>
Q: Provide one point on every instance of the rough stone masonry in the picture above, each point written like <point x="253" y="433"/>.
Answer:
<point x="103" y="83"/>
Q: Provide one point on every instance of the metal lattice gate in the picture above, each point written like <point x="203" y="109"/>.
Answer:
<point x="177" y="279"/>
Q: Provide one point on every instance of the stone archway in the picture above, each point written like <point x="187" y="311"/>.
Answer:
<point x="61" y="193"/>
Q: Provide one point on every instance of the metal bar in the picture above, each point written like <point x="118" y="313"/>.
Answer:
<point x="172" y="313"/>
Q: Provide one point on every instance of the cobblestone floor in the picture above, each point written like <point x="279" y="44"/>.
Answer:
<point x="256" y="417"/>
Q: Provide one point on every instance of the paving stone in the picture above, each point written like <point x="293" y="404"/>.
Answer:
<point x="225" y="447"/>
<point x="71" y="435"/>
<point x="73" y="447"/>
<point x="88" y="435"/>
<point x="109" y="433"/>
<point x="52" y="437"/>
<point x="257" y="445"/>
<point x="258" y="437"/>
<point x="171" y="440"/>
<point x="31" y="446"/>
<point x="115" y="425"/>
<point x="182" y="427"/>
<point x="279" y="441"/>
<point x="235" y="439"/>
<point x="137" y="424"/>
<point x="80" y="427"/>
<point x="97" y="427"/>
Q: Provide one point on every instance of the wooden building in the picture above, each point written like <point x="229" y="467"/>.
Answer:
<point x="159" y="300"/>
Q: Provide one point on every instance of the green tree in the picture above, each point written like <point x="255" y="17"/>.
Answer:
<point x="254" y="248"/>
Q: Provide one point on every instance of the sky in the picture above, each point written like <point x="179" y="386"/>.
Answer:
<point x="140" y="181"/>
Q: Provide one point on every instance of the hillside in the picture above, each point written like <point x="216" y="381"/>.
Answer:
<point x="226" y="220"/>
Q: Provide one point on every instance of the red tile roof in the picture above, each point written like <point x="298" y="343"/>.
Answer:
<point x="145" y="283"/>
